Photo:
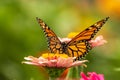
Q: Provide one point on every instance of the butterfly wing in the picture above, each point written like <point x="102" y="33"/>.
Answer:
<point x="54" y="43"/>
<point x="79" y="45"/>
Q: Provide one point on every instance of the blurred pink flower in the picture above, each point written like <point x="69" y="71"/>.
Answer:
<point x="98" y="41"/>
<point x="92" y="76"/>
<point x="58" y="62"/>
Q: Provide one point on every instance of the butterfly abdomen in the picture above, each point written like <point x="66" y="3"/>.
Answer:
<point x="64" y="47"/>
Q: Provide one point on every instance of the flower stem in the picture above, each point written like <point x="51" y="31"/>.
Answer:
<point x="54" y="73"/>
<point x="74" y="72"/>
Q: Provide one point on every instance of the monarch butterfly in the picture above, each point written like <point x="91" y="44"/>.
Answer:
<point x="78" y="46"/>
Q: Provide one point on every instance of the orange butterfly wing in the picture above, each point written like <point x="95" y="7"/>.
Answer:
<point x="53" y="41"/>
<point x="79" y="45"/>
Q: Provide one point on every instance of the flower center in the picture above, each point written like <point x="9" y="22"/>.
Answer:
<point x="53" y="56"/>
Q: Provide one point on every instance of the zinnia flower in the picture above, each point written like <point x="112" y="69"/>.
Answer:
<point x="57" y="61"/>
<point x="99" y="40"/>
<point x="92" y="76"/>
<point x="54" y="63"/>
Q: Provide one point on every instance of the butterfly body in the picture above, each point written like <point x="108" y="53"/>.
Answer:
<point x="64" y="46"/>
<point x="78" y="46"/>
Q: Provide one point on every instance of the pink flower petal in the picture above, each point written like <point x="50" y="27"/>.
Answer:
<point x="84" y="77"/>
<point x="77" y="63"/>
<point x="64" y="39"/>
<point x="57" y="62"/>
<point x="92" y="76"/>
<point x="98" y="41"/>
<point x="95" y="76"/>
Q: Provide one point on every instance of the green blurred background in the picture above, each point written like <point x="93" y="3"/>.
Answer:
<point x="20" y="34"/>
